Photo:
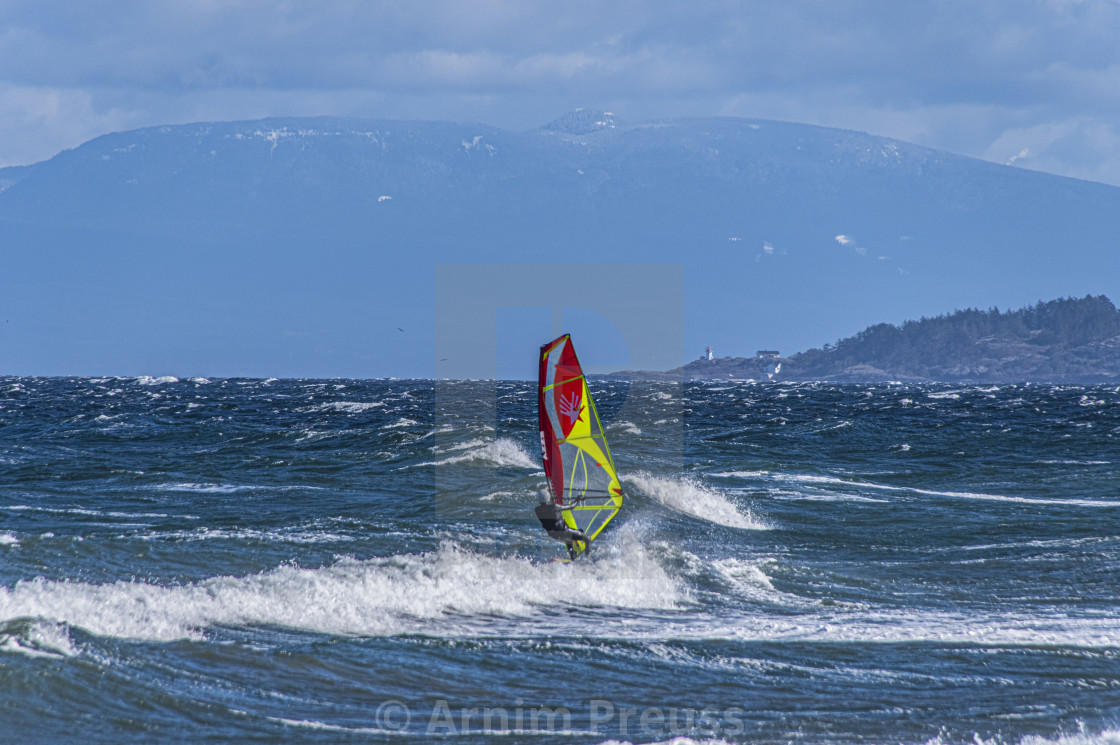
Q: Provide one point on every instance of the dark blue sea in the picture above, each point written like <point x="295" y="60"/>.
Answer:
<point x="193" y="560"/>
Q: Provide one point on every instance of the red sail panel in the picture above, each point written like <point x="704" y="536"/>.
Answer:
<point x="577" y="460"/>
<point x="550" y="449"/>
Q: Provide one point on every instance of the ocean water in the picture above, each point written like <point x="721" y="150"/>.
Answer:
<point x="357" y="561"/>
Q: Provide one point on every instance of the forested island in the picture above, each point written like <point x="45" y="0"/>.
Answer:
<point x="1061" y="341"/>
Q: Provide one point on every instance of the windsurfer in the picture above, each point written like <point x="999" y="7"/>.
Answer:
<point x="551" y="516"/>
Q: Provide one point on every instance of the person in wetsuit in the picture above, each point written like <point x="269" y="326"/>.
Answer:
<point x="551" y="516"/>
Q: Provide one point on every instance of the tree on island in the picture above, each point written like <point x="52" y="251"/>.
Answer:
<point x="1056" y="340"/>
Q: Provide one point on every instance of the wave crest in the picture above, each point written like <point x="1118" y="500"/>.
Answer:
<point x="688" y="495"/>
<point x="500" y="452"/>
<point x="449" y="591"/>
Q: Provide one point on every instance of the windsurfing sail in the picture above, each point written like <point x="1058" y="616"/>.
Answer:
<point x="577" y="460"/>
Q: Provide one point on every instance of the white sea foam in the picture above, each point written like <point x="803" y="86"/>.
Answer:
<point x="36" y="638"/>
<point x="628" y="427"/>
<point x="1022" y="500"/>
<point x="688" y="495"/>
<point x="1081" y="737"/>
<point x="316" y="725"/>
<point x="312" y="435"/>
<point x="402" y="422"/>
<point x="680" y="740"/>
<point x="207" y="488"/>
<point x="802" y="496"/>
<point x="8" y="539"/>
<point x="899" y="626"/>
<point x="1076" y="462"/>
<point x="741" y="474"/>
<point x="12" y="644"/>
<point x="346" y="407"/>
<point x="806" y="478"/>
<point x="453" y="593"/>
<point x="497" y="495"/>
<point x="833" y="481"/>
<point x="95" y="513"/>
<point x="435" y="592"/>
<point x="744" y="573"/>
<point x="463" y="721"/>
<point x="163" y="379"/>
<point x="500" y="452"/>
<point x="241" y="534"/>
<point x="1054" y="545"/>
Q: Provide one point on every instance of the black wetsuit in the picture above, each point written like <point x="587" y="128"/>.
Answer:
<point x="550" y="515"/>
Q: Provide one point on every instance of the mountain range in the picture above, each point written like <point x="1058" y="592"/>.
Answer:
<point x="308" y="247"/>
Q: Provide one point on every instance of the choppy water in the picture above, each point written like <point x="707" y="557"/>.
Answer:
<point x="357" y="561"/>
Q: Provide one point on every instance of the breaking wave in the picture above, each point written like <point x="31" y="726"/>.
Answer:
<point x="691" y="497"/>
<point x="500" y="452"/>
<point x="439" y="592"/>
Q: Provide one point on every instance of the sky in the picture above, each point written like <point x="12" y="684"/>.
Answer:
<point x="1034" y="83"/>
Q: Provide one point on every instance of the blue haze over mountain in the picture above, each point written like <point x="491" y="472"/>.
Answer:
<point x="302" y="247"/>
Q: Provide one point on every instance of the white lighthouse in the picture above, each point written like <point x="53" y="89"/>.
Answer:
<point x="709" y="353"/>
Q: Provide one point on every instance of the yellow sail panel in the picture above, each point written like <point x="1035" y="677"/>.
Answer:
<point x="577" y="458"/>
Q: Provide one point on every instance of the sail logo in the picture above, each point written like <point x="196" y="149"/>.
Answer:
<point x="570" y="407"/>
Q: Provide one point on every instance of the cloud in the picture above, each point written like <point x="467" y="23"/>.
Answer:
<point x="847" y="240"/>
<point x="1081" y="147"/>
<point x="875" y="49"/>
<point x="768" y="250"/>
<point x="39" y="122"/>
